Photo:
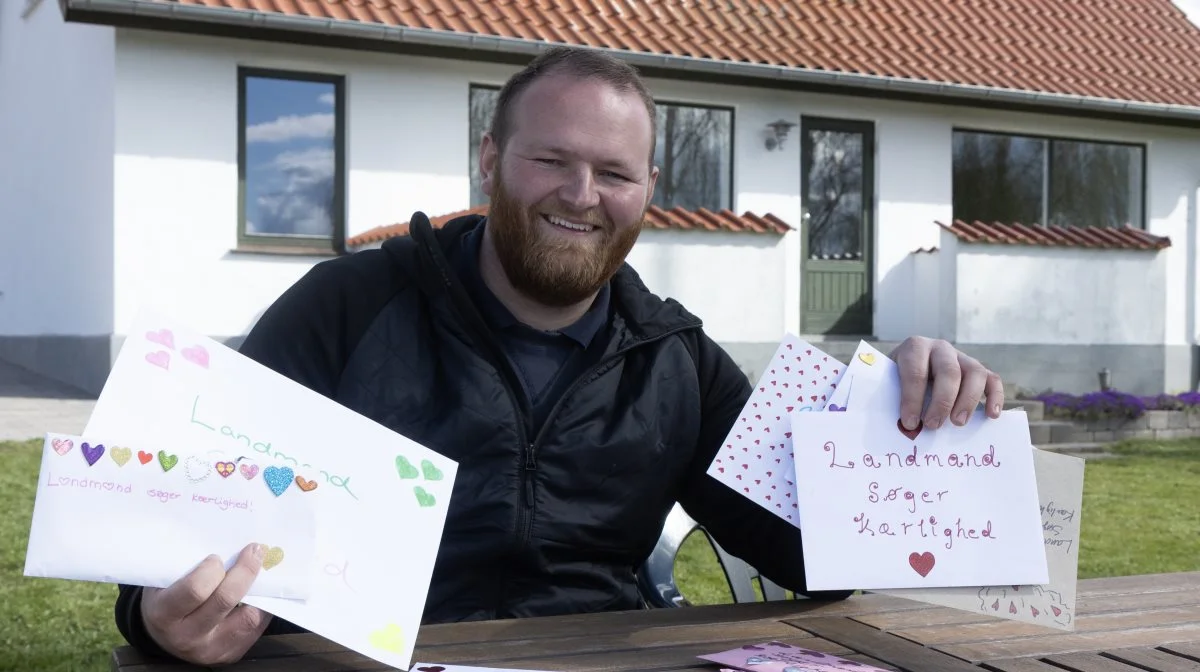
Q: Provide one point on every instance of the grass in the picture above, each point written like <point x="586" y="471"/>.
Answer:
<point x="1141" y="514"/>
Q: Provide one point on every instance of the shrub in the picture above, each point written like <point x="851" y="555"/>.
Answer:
<point x="1115" y="404"/>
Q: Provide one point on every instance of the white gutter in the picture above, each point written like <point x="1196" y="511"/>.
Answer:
<point x="483" y="43"/>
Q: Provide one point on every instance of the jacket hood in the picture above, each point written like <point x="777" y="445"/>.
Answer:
<point x="423" y="253"/>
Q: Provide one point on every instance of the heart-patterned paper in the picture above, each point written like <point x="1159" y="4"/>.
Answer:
<point x="756" y="458"/>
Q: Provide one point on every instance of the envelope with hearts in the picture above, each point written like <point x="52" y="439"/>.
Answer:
<point x="120" y="513"/>
<point x="379" y="522"/>
<point x="756" y="458"/>
<point x="782" y="657"/>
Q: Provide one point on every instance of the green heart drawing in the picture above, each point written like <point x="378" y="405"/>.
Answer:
<point x="432" y="473"/>
<point x="424" y="498"/>
<point x="405" y="468"/>
<point x="167" y="461"/>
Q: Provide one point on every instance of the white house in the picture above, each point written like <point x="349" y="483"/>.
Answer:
<point x="880" y="170"/>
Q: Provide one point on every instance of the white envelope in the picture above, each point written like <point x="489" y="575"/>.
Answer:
<point x="124" y="514"/>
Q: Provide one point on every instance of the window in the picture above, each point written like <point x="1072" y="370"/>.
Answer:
<point x="291" y="160"/>
<point x="694" y="152"/>
<point x="1011" y="178"/>
<point x="483" y="104"/>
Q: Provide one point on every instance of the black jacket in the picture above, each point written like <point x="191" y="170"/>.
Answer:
<point x="543" y="523"/>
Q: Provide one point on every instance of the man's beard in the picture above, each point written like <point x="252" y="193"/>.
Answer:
<point x="552" y="271"/>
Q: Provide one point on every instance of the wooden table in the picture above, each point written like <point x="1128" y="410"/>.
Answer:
<point x="1130" y="624"/>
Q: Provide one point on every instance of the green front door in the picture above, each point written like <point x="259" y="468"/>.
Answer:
<point x="837" y="179"/>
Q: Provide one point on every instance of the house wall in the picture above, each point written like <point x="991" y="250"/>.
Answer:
<point x="56" y="187"/>
<point x="176" y="189"/>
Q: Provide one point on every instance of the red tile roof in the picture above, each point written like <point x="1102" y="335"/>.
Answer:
<point x="656" y="218"/>
<point x="1123" y="238"/>
<point x="1144" y="51"/>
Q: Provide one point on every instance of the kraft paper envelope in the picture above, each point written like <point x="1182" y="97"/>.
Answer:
<point x="115" y="513"/>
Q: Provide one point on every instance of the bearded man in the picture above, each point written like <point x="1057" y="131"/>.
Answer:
<point x="579" y="406"/>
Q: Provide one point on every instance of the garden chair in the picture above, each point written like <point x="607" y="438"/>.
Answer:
<point x="656" y="580"/>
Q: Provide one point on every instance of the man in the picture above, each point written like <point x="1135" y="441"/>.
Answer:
<point x="579" y="406"/>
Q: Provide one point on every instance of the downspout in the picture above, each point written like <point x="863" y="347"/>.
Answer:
<point x="423" y="36"/>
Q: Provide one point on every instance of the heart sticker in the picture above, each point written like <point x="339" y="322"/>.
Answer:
<point x="167" y="461"/>
<point x="910" y="433"/>
<point x="431" y="668"/>
<point x="305" y="484"/>
<point x="160" y="359"/>
<point x="144" y="457"/>
<point x="431" y="472"/>
<point x="92" y="453"/>
<point x="921" y="563"/>
<point x="835" y="408"/>
<point x="62" y="446"/>
<point x="249" y="471"/>
<point x="406" y="468"/>
<point x="867" y="358"/>
<point x="272" y="557"/>
<point x="196" y="469"/>
<point x="120" y="455"/>
<point x="196" y="355"/>
<point x="225" y="468"/>
<point x="278" y="478"/>
<point x="163" y="337"/>
<point x="425" y="499"/>
<point x="388" y="638"/>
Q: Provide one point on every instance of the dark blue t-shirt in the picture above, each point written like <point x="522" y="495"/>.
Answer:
<point x="545" y="361"/>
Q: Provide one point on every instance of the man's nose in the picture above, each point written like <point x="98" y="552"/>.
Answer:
<point x="579" y="191"/>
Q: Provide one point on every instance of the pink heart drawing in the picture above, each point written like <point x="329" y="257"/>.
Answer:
<point x="249" y="470"/>
<point x="160" y="359"/>
<point x="62" y="446"/>
<point x="196" y="355"/>
<point x="163" y="337"/>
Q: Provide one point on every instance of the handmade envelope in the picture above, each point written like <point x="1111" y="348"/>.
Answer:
<point x="884" y="507"/>
<point x="115" y="513"/>
<point x="1060" y="491"/>
<point x="380" y="521"/>
<point x="756" y="458"/>
<point x="781" y="657"/>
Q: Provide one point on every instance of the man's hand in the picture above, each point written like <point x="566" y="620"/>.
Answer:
<point x="959" y="383"/>
<point x="200" y="618"/>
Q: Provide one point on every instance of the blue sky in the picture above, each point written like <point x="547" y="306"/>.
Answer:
<point x="289" y="156"/>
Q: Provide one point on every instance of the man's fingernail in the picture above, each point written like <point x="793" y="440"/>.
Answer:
<point x="996" y="409"/>
<point x="960" y="418"/>
<point x="910" y="422"/>
<point x="258" y="551"/>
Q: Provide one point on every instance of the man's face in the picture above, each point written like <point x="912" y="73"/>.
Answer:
<point x="570" y="189"/>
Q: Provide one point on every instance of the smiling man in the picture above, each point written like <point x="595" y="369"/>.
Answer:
<point x="579" y="406"/>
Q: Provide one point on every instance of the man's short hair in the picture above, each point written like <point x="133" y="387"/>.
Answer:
<point x="578" y="62"/>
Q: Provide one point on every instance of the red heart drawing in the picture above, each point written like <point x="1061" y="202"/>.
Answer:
<point x="721" y="469"/>
<point x="144" y="457"/>
<point x="921" y="563"/>
<point x="1012" y="608"/>
<point x="1034" y="610"/>
<point x="1056" y="610"/>
<point x="817" y="367"/>
<point x="910" y="433"/>
<point x="996" y="605"/>
<point x="768" y="474"/>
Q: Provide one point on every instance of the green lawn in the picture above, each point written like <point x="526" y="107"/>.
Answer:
<point x="1141" y="515"/>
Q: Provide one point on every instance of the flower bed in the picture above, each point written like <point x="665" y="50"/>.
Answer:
<point x="1114" y="416"/>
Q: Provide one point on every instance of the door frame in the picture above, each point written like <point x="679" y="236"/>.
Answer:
<point x="870" y="158"/>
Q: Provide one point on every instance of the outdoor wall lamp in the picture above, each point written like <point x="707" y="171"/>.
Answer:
<point x="776" y="133"/>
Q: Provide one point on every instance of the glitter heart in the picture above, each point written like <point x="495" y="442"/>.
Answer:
<point x="272" y="557"/>
<point x="144" y="457"/>
<point x="431" y="472"/>
<point x="278" y="478"/>
<point x="249" y="470"/>
<point x="196" y="469"/>
<point x="62" y="446"/>
<point x="196" y="355"/>
<point x="120" y="455"/>
<point x="167" y="461"/>
<point x="305" y="484"/>
<point x="867" y="358"/>
<point x="92" y="453"/>
<point x="225" y="468"/>
<point x="835" y="408"/>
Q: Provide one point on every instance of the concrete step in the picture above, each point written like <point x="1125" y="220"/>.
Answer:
<point x="1087" y="450"/>
<point x="1034" y="409"/>
<point x="1055" y="431"/>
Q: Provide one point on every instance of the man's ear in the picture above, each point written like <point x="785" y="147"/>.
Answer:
<point x="489" y="156"/>
<point x="650" y="182"/>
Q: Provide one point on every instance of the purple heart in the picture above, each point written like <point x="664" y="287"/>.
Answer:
<point x="835" y="408"/>
<point x="92" y="453"/>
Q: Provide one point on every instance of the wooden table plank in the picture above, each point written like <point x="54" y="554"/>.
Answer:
<point x="1020" y="665"/>
<point x="1090" y="662"/>
<point x="1155" y="659"/>
<point x="998" y="629"/>
<point x="1062" y="643"/>
<point x="906" y="655"/>
<point x="1185" y="649"/>
<point x="1142" y="583"/>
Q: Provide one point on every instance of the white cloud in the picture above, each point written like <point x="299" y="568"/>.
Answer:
<point x="327" y="99"/>
<point x="291" y="127"/>
<point x="300" y="196"/>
